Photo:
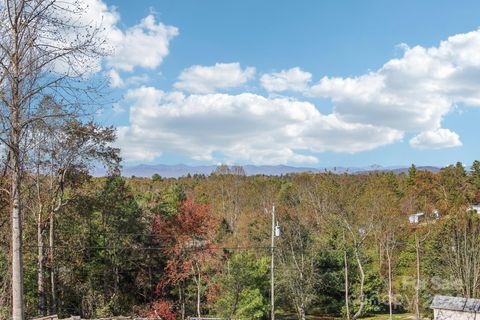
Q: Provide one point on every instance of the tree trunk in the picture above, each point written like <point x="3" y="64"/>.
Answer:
<point x="347" y="306"/>
<point x="302" y="313"/>
<point x="51" y="244"/>
<point x="362" y="284"/>
<point x="40" y="266"/>
<point x="235" y="303"/>
<point x="40" y="242"/>
<point x="417" y="284"/>
<point x="345" y="263"/>
<point x="150" y="279"/>
<point x="15" y="168"/>
<point x="117" y="280"/>
<point x="182" y="300"/>
<point x="390" y="298"/>
<point x="105" y="258"/>
<point x="198" y="296"/>
<point x="17" y="256"/>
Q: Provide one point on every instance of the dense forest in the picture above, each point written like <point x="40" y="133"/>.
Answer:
<point x="201" y="244"/>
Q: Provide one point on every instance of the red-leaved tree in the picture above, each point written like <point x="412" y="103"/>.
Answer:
<point x="162" y="309"/>
<point x="187" y="240"/>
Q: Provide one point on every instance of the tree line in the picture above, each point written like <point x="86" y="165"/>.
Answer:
<point x="200" y="245"/>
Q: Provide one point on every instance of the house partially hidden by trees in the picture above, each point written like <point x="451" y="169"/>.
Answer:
<point x="474" y="207"/>
<point x="420" y="217"/>
<point x="457" y="308"/>
<point x="416" y="218"/>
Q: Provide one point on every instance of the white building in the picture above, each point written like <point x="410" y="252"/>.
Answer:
<point x="474" y="207"/>
<point x="416" y="218"/>
<point x="456" y="308"/>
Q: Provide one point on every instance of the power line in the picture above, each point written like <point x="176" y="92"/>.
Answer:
<point x="156" y="248"/>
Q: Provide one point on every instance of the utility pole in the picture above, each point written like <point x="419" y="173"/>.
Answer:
<point x="275" y="233"/>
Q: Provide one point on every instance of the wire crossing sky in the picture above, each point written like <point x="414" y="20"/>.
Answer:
<point x="304" y="83"/>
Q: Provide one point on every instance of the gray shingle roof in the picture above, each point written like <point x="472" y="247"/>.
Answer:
<point x="455" y="304"/>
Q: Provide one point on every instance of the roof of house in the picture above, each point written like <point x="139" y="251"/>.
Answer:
<point x="418" y="214"/>
<point x="455" y="304"/>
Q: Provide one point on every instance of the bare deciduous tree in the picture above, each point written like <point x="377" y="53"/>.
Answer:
<point x="296" y="259"/>
<point x="44" y="51"/>
<point x="461" y="251"/>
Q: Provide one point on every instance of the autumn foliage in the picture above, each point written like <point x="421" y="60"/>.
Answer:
<point x="161" y="309"/>
<point x="173" y="248"/>
<point x="185" y="237"/>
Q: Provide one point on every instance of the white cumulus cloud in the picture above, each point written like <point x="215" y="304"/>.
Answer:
<point x="143" y="45"/>
<point x="293" y="79"/>
<point x="208" y="79"/>
<point x="244" y="127"/>
<point x="414" y="92"/>
<point x="116" y="80"/>
<point x="411" y="95"/>
<point x="436" y="139"/>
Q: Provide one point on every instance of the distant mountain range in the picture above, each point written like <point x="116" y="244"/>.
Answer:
<point x="180" y="170"/>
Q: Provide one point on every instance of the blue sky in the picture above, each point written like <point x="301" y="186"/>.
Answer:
<point x="305" y="83"/>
